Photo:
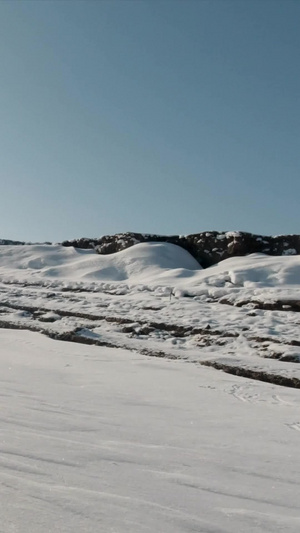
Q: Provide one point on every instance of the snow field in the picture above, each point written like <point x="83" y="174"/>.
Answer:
<point x="61" y="290"/>
<point x="99" y="439"/>
<point x="95" y="438"/>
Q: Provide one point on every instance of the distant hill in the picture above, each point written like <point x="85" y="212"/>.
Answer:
<point x="208" y="247"/>
<point x="7" y="242"/>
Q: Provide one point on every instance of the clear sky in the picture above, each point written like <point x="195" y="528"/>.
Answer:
<point x="151" y="116"/>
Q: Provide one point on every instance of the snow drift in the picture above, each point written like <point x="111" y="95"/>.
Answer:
<point x="142" y="263"/>
<point x="147" y="263"/>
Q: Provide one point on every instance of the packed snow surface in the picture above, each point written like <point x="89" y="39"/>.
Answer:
<point x="100" y="439"/>
<point x="109" y="438"/>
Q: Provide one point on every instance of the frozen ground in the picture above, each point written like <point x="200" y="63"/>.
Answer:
<point x="103" y="439"/>
<point x="109" y="438"/>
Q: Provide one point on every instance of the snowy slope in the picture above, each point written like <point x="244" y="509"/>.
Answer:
<point x="254" y="271"/>
<point x="155" y="298"/>
<point x="148" y="263"/>
<point x="141" y="263"/>
<point x="103" y="440"/>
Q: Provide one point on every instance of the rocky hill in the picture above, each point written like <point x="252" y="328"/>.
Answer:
<point x="8" y="242"/>
<point x="207" y="248"/>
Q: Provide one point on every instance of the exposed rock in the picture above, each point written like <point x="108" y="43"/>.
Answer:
<point x="7" y="242"/>
<point x="208" y="247"/>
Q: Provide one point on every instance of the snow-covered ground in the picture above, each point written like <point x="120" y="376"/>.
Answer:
<point x="98" y="439"/>
<point x="109" y="438"/>
<point x="155" y="298"/>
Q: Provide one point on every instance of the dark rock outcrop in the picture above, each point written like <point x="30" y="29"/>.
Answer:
<point x="208" y="247"/>
<point x="7" y="242"/>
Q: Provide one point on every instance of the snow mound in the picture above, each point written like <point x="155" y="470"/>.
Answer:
<point x="154" y="263"/>
<point x="145" y="262"/>
<point x="253" y="271"/>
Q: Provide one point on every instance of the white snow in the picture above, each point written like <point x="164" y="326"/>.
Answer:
<point x="255" y="270"/>
<point x="98" y="439"/>
<point x="290" y="251"/>
<point x="146" y="261"/>
<point x="107" y="439"/>
<point x="158" y="283"/>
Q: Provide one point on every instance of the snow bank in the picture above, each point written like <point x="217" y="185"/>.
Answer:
<point x="148" y="263"/>
<point x="145" y="262"/>
<point x="260" y="270"/>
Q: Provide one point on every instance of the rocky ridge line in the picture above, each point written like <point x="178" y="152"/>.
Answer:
<point x="208" y="247"/>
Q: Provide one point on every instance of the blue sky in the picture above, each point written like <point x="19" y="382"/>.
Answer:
<point x="151" y="116"/>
